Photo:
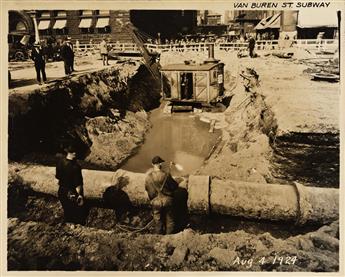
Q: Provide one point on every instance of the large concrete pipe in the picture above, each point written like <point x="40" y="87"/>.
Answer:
<point x="42" y="179"/>
<point x="274" y="201"/>
<point x="205" y="195"/>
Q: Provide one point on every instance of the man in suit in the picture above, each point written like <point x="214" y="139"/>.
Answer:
<point x="38" y="57"/>
<point x="67" y="56"/>
<point x="251" y="46"/>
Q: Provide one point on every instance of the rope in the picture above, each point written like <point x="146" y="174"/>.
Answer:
<point x="126" y="228"/>
<point x="144" y="35"/>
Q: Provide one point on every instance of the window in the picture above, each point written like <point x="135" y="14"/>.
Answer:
<point x="63" y="31"/>
<point x="104" y="12"/>
<point x="43" y="25"/>
<point x="105" y="30"/>
<point x="61" y="14"/>
<point x="85" y="26"/>
<point x="102" y="22"/>
<point x="86" y="30"/>
<point x="86" y="13"/>
<point x="213" y="76"/>
<point x="85" y="23"/>
<point x="60" y="27"/>
<point x="45" y="32"/>
<point x="60" y="24"/>
<point x="20" y="26"/>
<point x="45" y="14"/>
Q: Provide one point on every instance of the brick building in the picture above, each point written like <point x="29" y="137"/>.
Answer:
<point x="245" y="21"/>
<point x="214" y="19"/>
<point x="83" y="25"/>
<point x="86" y="25"/>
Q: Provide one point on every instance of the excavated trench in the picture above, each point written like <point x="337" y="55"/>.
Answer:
<point x="107" y="120"/>
<point x="102" y="113"/>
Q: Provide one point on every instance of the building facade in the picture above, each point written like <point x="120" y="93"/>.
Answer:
<point x="245" y="21"/>
<point x="93" y="25"/>
<point x="83" y="25"/>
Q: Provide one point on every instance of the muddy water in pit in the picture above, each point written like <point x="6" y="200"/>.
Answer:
<point x="179" y="137"/>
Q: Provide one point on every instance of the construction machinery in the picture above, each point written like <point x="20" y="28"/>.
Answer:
<point x="151" y="59"/>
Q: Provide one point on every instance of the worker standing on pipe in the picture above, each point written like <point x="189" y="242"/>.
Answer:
<point x="160" y="187"/>
<point x="70" y="193"/>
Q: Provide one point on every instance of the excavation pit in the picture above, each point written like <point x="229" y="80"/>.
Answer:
<point x="110" y="235"/>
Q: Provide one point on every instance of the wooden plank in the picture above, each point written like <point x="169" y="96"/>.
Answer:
<point x="213" y="123"/>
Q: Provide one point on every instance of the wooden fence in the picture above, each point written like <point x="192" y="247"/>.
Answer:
<point x="309" y="44"/>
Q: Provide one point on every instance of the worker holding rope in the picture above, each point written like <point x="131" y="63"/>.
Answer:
<point x="160" y="187"/>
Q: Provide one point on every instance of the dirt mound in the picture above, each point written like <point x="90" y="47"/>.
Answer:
<point x="288" y="133"/>
<point x="245" y="150"/>
<point x="115" y="140"/>
<point x="81" y="248"/>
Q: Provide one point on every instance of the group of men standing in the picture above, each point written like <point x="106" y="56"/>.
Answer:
<point x="38" y="55"/>
<point x="159" y="184"/>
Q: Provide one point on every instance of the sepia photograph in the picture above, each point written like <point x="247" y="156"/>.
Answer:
<point x="202" y="138"/>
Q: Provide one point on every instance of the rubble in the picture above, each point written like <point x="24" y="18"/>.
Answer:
<point x="224" y="257"/>
<point x="95" y="249"/>
<point x="178" y="256"/>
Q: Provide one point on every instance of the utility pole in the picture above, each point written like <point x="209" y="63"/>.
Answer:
<point x="33" y="15"/>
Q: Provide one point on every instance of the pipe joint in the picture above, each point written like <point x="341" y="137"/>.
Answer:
<point x="199" y="194"/>
<point x="304" y="208"/>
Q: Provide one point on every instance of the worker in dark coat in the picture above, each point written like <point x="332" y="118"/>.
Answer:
<point x="67" y="56"/>
<point x="37" y="55"/>
<point x="251" y="46"/>
<point x="70" y="44"/>
<point x="70" y="193"/>
<point x="160" y="187"/>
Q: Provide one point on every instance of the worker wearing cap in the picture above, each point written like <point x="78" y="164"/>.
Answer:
<point x="70" y="193"/>
<point x="160" y="187"/>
